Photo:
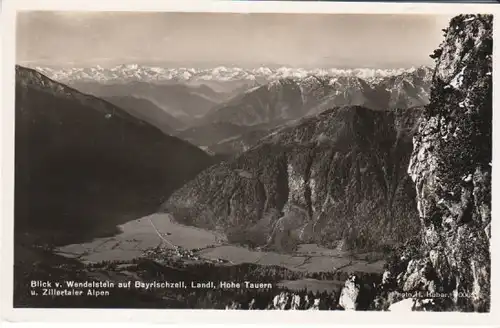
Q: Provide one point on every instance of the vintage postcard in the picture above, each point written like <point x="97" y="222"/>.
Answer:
<point x="162" y="157"/>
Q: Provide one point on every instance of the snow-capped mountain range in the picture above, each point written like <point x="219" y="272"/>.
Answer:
<point x="293" y="98"/>
<point x="135" y="72"/>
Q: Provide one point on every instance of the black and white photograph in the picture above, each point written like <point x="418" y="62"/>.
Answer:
<point x="253" y="161"/>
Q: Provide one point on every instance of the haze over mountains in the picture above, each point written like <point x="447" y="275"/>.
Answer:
<point x="146" y="110"/>
<point x="135" y="72"/>
<point x="186" y="103"/>
<point x="257" y="101"/>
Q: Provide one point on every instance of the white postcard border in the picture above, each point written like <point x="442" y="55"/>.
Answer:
<point x="9" y="9"/>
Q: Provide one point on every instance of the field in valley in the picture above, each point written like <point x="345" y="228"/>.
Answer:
<point x="148" y="232"/>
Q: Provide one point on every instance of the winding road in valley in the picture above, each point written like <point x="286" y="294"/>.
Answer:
<point x="160" y="234"/>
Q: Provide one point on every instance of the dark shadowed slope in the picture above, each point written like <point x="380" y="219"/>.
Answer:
<point x="338" y="179"/>
<point x="147" y="111"/>
<point x="83" y="165"/>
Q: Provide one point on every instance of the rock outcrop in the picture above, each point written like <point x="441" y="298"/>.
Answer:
<point x="451" y="169"/>
<point x="349" y="295"/>
<point x="288" y="300"/>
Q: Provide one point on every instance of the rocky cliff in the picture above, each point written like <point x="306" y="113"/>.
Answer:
<point x="287" y="300"/>
<point x="451" y="168"/>
<point x="337" y="179"/>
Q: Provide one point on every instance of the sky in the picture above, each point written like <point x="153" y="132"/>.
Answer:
<point x="83" y="39"/>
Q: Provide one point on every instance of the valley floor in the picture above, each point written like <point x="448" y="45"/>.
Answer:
<point x="159" y="230"/>
<point x="157" y="263"/>
<point x="155" y="250"/>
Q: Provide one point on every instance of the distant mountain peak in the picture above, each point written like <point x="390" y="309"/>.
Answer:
<point x="136" y="72"/>
<point x="291" y="98"/>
